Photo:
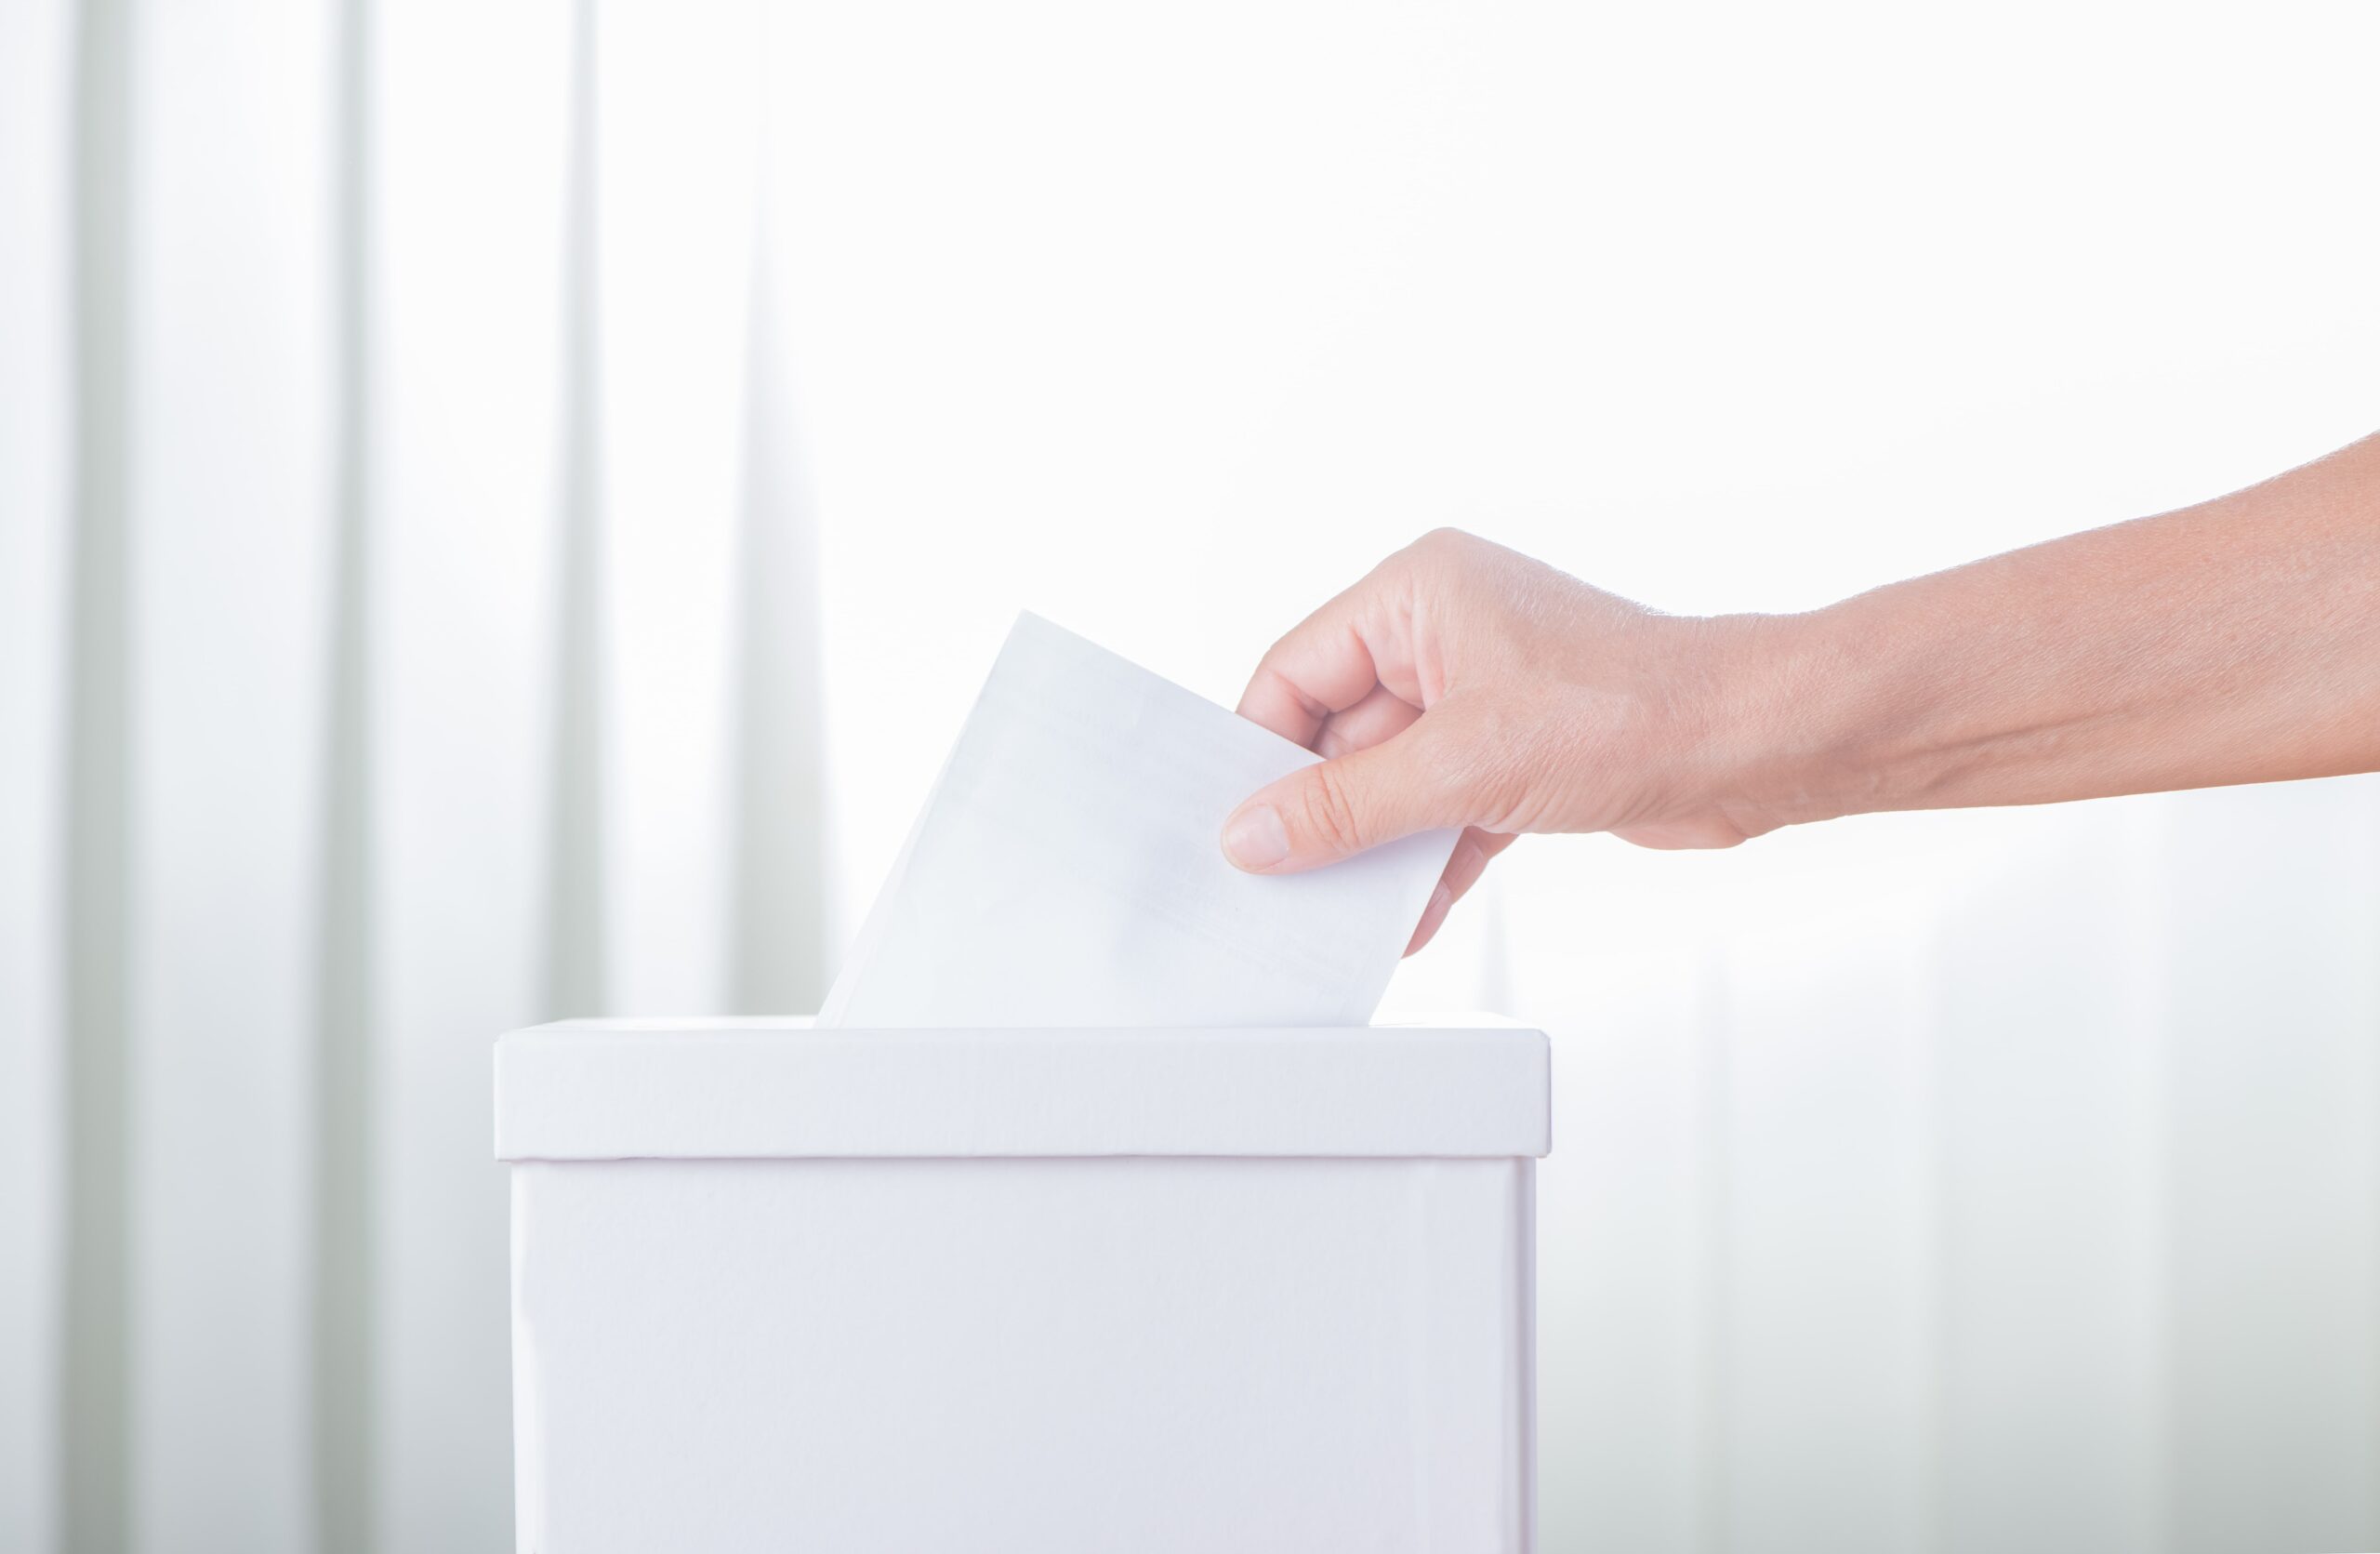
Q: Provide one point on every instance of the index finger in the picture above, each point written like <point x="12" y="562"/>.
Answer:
<point x="1328" y="663"/>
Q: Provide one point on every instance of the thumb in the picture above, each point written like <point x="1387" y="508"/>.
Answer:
<point x="1322" y="813"/>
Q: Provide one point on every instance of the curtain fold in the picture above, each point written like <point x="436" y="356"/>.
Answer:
<point x="38" y="53"/>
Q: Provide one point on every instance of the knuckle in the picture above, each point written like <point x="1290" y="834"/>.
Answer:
<point x="1331" y="818"/>
<point x="1443" y="542"/>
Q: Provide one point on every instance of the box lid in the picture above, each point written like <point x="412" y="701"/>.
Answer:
<point x="724" y="1089"/>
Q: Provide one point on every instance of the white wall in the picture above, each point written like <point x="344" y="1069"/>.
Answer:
<point x="490" y="526"/>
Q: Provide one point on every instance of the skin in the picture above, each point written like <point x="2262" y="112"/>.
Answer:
<point x="1463" y="685"/>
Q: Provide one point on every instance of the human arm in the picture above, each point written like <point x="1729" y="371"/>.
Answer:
<point x="1461" y="683"/>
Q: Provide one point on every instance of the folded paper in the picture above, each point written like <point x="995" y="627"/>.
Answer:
<point x="1067" y="870"/>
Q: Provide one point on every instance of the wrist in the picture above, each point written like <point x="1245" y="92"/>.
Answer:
<point x="1802" y="732"/>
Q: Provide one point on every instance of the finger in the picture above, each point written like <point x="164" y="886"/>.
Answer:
<point x="1322" y="813"/>
<point x="1441" y="902"/>
<point x="1316" y="670"/>
<point x="1332" y="660"/>
<point x="1464" y="868"/>
<point x="1377" y="719"/>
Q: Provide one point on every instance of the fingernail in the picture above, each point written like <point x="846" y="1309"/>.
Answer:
<point x="1255" y="838"/>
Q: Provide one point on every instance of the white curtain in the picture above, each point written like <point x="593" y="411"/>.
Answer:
<point x="502" y="507"/>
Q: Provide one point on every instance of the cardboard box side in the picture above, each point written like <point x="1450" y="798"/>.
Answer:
<point x="1060" y="1357"/>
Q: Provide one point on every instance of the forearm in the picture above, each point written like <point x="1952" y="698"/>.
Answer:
<point x="2238" y="641"/>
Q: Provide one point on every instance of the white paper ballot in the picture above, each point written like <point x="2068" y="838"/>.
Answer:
<point x="1068" y="871"/>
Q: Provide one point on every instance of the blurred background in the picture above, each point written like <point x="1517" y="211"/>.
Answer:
<point x="502" y="509"/>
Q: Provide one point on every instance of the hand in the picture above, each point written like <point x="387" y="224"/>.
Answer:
<point x="1461" y="684"/>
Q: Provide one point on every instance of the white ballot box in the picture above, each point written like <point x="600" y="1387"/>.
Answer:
<point x="1023" y="1291"/>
